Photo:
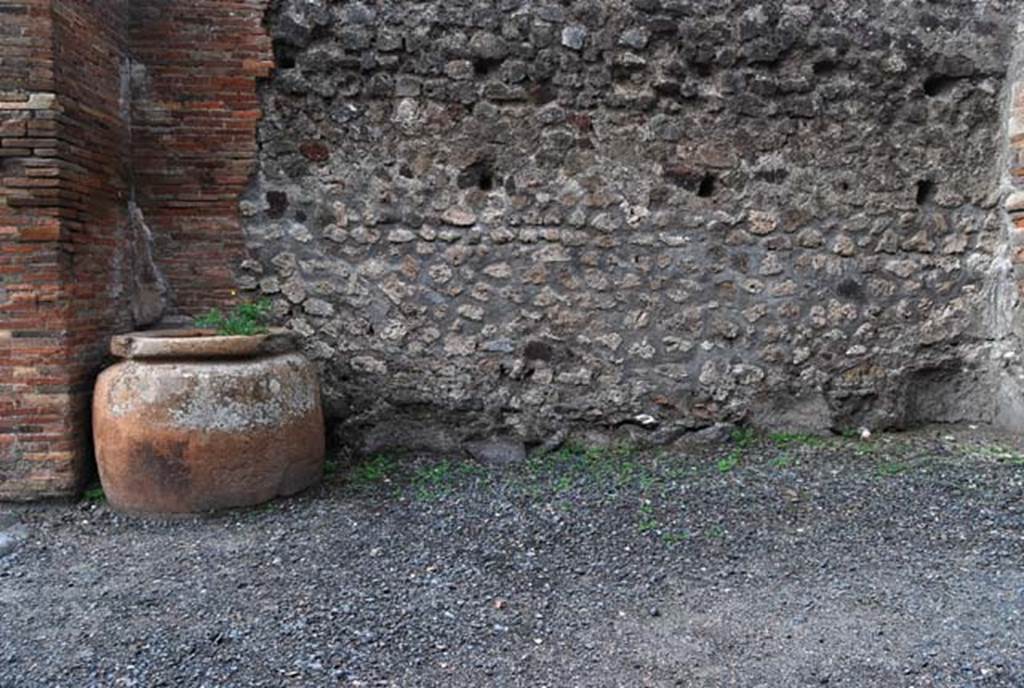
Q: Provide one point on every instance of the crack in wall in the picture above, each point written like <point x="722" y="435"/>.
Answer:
<point x="135" y="275"/>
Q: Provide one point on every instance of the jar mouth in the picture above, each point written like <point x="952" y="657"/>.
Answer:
<point x="199" y="343"/>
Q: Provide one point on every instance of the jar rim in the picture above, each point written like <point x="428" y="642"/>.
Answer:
<point x="199" y="343"/>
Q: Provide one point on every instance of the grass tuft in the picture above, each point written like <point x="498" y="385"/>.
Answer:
<point x="743" y="437"/>
<point x="377" y="469"/>
<point x="729" y="462"/>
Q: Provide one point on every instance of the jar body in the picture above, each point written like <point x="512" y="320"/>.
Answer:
<point x="194" y="435"/>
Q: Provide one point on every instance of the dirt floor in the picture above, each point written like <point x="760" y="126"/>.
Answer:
<point x="764" y="561"/>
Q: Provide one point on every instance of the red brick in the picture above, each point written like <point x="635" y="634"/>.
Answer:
<point x="40" y="234"/>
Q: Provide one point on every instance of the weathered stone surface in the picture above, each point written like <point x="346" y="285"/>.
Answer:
<point x="12" y="535"/>
<point x="808" y="413"/>
<point x="498" y="451"/>
<point x="574" y="37"/>
<point x="537" y="216"/>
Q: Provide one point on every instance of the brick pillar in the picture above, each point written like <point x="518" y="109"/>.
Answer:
<point x="36" y="404"/>
<point x="35" y="458"/>
<point x="72" y="159"/>
<point x="63" y="146"/>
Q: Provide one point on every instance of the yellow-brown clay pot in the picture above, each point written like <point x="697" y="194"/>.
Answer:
<point x="189" y="422"/>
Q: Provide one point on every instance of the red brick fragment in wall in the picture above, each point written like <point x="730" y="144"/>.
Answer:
<point x="315" y="151"/>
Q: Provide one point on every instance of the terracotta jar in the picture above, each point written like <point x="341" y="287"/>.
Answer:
<point x="191" y="422"/>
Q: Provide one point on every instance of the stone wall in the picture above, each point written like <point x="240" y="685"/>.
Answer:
<point x="512" y="220"/>
<point x="509" y="219"/>
<point x="1008" y="321"/>
<point x="1014" y="167"/>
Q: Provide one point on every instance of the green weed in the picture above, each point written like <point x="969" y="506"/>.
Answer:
<point x="563" y="483"/>
<point x="625" y="472"/>
<point x="679" y="473"/>
<point x="330" y="468"/>
<point x="433" y="482"/>
<point x="716" y="533"/>
<point x="94" y="495"/>
<point x="743" y="437"/>
<point x="377" y="469"/>
<point x="731" y="461"/>
<point x="647" y="521"/>
<point x="244" y="319"/>
<point x="436" y="481"/>
<point x="866" y="449"/>
<point x="1002" y="454"/>
<point x="574" y="462"/>
<point x="267" y="507"/>
<point x="675" y="537"/>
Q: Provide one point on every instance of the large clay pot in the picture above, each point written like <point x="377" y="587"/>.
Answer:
<point x="190" y="422"/>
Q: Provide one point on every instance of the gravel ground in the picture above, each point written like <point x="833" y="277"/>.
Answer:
<point x="782" y="561"/>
